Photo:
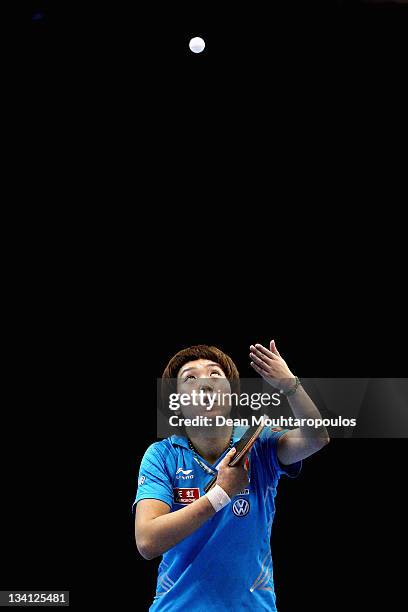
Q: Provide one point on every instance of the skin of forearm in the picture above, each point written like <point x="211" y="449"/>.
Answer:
<point x="304" y="408"/>
<point x="167" y="530"/>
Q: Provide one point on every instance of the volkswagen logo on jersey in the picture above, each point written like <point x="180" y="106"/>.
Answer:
<point x="241" y="507"/>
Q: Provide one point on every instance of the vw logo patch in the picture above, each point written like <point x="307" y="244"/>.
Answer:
<point x="241" y="507"/>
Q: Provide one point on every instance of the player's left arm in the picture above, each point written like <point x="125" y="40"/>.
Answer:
<point x="299" y="443"/>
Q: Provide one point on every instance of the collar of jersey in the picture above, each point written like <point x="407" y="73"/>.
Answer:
<point x="182" y="441"/>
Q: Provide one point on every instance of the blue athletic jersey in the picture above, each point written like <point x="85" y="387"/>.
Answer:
<point x="226" y="564"/>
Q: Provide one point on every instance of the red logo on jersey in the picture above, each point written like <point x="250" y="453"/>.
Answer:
<point x="186" y="496"/>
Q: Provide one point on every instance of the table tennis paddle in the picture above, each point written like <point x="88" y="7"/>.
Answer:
<point x="243" y="446"/>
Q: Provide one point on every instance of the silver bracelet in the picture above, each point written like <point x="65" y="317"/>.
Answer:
<point x="218" y="498"/>
<point x="293" y="390"/>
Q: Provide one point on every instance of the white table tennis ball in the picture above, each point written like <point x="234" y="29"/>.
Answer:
<point x="197" y="44"/>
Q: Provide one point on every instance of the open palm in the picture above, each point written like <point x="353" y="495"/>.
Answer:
<point x="269" y="364"/>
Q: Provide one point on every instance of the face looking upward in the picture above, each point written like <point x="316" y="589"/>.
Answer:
<point x="209" y="378"/>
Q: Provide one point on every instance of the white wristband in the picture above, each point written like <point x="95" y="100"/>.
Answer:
<point x="218" y="498"/>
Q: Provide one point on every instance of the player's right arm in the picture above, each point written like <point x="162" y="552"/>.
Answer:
<point x="157" y="529"/>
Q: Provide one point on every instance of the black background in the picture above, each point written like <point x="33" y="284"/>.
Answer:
<point x="126" y="155"/>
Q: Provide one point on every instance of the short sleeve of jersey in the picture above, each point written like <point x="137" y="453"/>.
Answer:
<point x="154" y="481"/>
<point x="269" y="449"/>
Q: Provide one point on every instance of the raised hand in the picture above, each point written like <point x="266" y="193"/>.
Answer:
<point x="269" y="364"/>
